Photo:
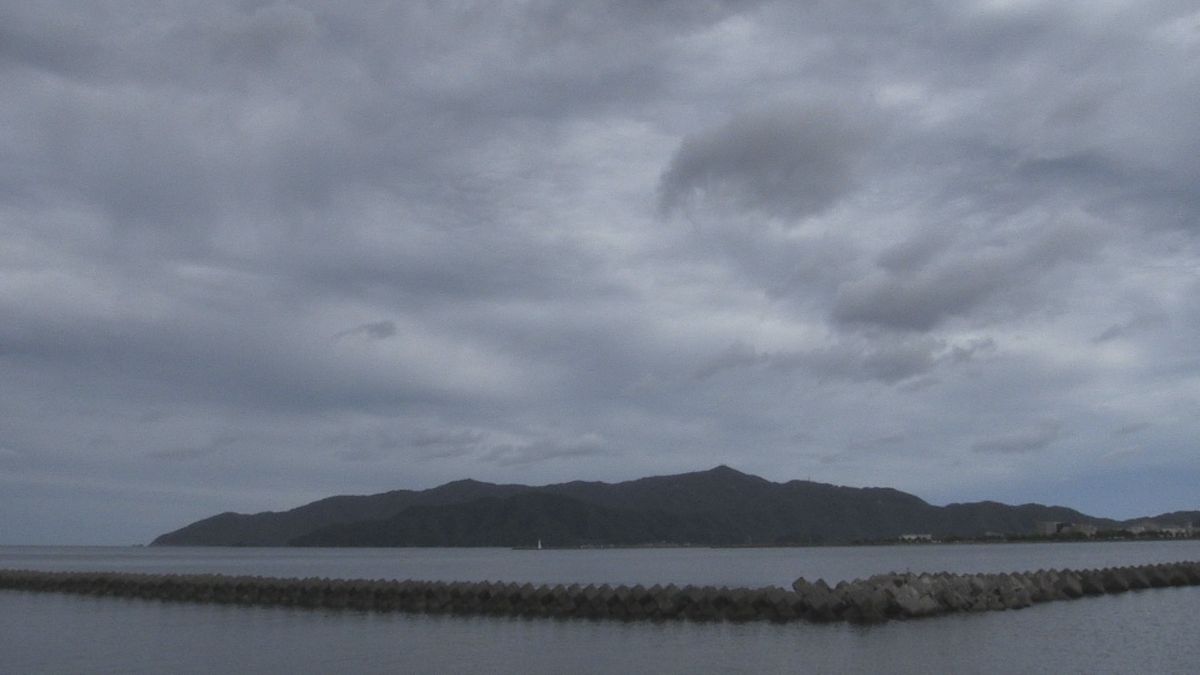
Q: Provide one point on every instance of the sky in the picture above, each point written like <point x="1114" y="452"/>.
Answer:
<point x="253" y="254"/>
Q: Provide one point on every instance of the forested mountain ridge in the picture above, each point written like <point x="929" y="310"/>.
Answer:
<point x="720" y="506"/>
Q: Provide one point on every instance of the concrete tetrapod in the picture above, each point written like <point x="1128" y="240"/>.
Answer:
<point x="879" y="598"/>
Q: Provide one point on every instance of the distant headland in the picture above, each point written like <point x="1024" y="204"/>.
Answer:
<point x="718" y="507"/>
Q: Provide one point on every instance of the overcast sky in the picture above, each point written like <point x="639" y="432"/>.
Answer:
<point x="257" y="253"/>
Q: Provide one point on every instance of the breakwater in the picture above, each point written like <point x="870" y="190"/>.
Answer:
<point x="872" y="600"/>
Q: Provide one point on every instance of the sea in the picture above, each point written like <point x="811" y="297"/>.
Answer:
<point x="1149" y="631"/>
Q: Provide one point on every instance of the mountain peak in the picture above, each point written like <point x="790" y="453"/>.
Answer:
<point x="462" y="481"/>
<point x="728" y="472"/>
<point x="725" y="470"/>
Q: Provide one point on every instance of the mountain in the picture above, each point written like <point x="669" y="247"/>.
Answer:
<point x="279" y="529"/>
<point x="1176" y="518"/>
<point x="520" y="519"/>
<point x="720" y="506"/>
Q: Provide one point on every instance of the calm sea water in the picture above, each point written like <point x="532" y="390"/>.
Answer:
<point x="1149" y="631"/>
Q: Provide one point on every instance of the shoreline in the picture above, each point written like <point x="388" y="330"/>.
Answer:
<point x="664" y="546"/>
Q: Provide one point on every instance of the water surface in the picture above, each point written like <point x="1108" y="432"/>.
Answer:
<point x="1147" y="631"/>
<point x="729" y="566"/>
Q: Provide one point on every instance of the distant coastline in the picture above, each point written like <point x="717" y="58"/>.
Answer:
<point x="983" y="541"/>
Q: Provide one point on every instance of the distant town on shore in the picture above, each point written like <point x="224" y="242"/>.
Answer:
<point x="1056" y="530"/>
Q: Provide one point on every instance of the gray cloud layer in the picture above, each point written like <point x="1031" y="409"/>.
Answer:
<point x="786" y="163"/>
<point x="253" y="254"/>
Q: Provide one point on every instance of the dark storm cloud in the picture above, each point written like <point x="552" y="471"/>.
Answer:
<point x="59" y="44"/>
<point x="1111" y="333"/>
<point x="385" y="245"/>
<point x="1144" y="318"/>
<point x="738" y="355"/>
<point x="1131" y="429"/>
<point x="925" y="282"/>
<point x="376" y="330"/>
<point x="783" y="163"/>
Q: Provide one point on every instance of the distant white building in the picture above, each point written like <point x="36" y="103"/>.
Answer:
<point x="1048" y="528"/>
<point x="1051" y="528"/>
<point x="1144" y="527"/>
<point x="916" y="537"/>
<point x="1079" y="528"/>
